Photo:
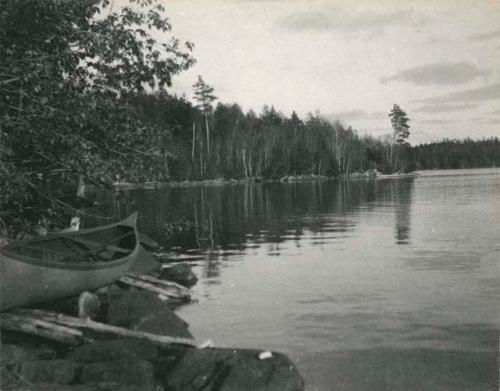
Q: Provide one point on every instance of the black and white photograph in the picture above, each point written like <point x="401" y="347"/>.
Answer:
<point x="240" y="195"/>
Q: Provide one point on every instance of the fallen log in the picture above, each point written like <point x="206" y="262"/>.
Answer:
<point x="42" y="328"/>
<point x="176" y="257"/>
<point x="166" y="288"/>
<point x="66" y="329"/>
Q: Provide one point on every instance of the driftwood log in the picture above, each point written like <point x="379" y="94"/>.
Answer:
<point x="68" y="329"/>
<point x="175" y="257"/>
<point x="166" y="288"/>
<point x="41" y="328"/>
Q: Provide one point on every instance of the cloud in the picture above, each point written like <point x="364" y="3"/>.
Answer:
<point x="336" y="19"/>
<point x="443" y="108"/>
<point x="304" y="21"/>
<point x="441" y="74"/>
<point x="480" y="94"/>
<point x="356" y="115"/>
<point x="495" y="112"/>
<point x="489" y="121"/>
<point x="485" y="36"/>
<point x="484" y="120"/>
<point x="437" y="121"/>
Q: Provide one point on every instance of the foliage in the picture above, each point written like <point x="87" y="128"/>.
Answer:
<point x="453" y="154"/>
<point x="204" y="95"/>
<point x="399" y="122"/>
<point x="66" y="69"/>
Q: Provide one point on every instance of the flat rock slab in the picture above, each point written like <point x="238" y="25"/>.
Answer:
<point x="148" y="242"/>
<point x="228" y="370"/>
<point x="48" y="371"/>
<point x="181" y="273"/>
<point x="145" y="262"/>
<point x="19" y="386"/>
<point x="145" y="311"/>
<point x="12" y="355"/>
<point x="121" y="372"/>
<point x="115" y="349"/>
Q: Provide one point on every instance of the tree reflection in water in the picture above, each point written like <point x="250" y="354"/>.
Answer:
<point x="222" y="221"/>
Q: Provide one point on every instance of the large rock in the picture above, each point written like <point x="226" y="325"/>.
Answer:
<point x="12" y="355"/>
<point x="147" y="242"/>
<point x="19" y="386"/>
<point x="145" y="311"/>
<point x="228" y="370"/>
<point x="89" y="305"/>
<point x="48" y="371"/>
<point x="181" y="273"/>
<point x="115" y="349"/>
<point x="122" y="372"/>
<point x="164" y="322"/>
<point x="145" y="263"/>
<point x="23" y="386"/>
<point x="42" y="353"/>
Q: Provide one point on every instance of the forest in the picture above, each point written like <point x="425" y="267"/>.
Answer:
<point x="84" y="99"/>
<point x="270" y="145"/>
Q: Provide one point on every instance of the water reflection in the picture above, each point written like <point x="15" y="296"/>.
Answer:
<point x="220" y="219"/>
<point x="402" y="191"/>
<point x="366" y="277"/>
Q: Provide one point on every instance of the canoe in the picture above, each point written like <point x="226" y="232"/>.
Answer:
<point x="67" y="263"/>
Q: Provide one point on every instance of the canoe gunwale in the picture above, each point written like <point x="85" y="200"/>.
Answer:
<point x="66" y="265"/>
<point x="129" y="222"/>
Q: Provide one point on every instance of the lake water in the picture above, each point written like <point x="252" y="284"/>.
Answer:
<point x="390" y="284"/>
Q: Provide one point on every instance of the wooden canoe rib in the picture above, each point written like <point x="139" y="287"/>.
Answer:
<point x="66" y="264"/>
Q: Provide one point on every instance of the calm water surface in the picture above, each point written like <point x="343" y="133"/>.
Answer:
<point x="367" y="285"/>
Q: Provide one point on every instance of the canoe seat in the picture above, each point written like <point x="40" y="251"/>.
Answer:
<point x="93" y="246"/>
<point x="96" y="247"/>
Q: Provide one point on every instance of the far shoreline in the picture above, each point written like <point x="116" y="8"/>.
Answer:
<point x="286" y="179"/>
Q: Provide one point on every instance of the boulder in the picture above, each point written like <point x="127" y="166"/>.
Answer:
<point x="12" y="355"/>
<point x="145" y="263"/>
<point x="20" y="386"/>
<point x="228" y="370"/>
<point x="51" y="387"/>
<point x="42" y="353"/>
<point x="181" y="273"/>
<point x="164" y="322"/>
<point x="121" y="372"/>
<point x="48" y="371"/>
<point x="147" y="242"/>
<point x="115" y="349"/>
<point x="89" y="305"/>
<point x="145" y="311"/>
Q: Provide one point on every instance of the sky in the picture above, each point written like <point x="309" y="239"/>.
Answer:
<point x="351" y="60"/>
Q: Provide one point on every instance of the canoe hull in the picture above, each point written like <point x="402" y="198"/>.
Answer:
<point x="25" y="282"/>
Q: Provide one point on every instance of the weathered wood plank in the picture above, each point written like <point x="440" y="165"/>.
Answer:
<point x="42" y="328"/>
<point x="66" y="329"/>
<point x="152" y="284"/>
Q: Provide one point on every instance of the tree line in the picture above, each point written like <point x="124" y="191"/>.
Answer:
<point x="208" y="142"/>
<point x="225" y="142"/>
<point x="453" y="154"/>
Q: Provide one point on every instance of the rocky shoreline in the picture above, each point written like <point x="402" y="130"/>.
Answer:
<point x="369" y="174"/>
<point x="109" y="363"/>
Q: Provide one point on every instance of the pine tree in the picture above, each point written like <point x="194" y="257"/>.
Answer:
<point x="399" y="122"/>
<point x="204" y="96"/>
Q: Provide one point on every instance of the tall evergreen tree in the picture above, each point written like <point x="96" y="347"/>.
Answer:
<point x="399" y="122"/>
<point x="204" y="96"/>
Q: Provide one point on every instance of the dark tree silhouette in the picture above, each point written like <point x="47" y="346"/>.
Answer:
<point x="399" y="122"/>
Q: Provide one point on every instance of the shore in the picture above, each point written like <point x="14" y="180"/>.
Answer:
<point x="286" y="179"/>
<point x="107" y="361"/>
